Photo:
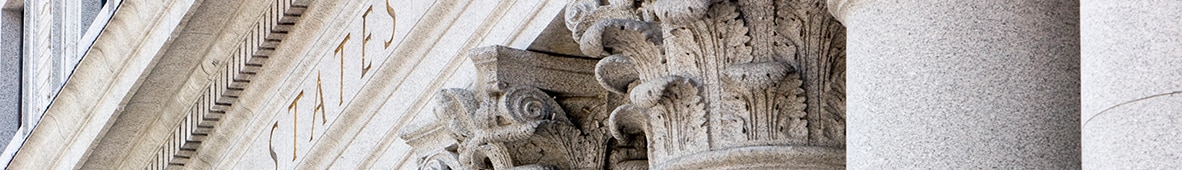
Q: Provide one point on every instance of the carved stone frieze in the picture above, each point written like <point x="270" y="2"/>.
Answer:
<point x="675" y="85"/>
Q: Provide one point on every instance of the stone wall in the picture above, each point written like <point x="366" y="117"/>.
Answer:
<point x="43" y="41"/>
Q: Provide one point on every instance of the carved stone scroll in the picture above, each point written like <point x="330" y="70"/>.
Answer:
<point x="517" y="116"/>
<point x="721" y="84"/>
<point x="678" y="84"/>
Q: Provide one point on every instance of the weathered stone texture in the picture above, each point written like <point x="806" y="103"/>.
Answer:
<point x="691" y="84"/>
<point x="98" y="87"/>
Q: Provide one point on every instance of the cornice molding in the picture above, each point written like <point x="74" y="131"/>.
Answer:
<point x="204" y="114"/>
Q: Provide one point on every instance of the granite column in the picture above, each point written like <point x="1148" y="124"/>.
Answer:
<point x="962" y="84"/>
<point x="1131" y="66"/>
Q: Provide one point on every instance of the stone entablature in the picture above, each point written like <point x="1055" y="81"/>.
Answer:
<point x="352" y="73"/>
<point x="203" y="115"/>
<point x="101" y="83"/>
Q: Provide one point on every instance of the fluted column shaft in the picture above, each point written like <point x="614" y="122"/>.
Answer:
<point x="964" y="84"/>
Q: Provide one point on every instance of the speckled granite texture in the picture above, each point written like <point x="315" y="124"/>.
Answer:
<point x="1131" y="55"/>
<point x="963" y="85"/>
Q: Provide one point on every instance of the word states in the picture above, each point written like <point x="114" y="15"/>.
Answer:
<point x="337" y="76"/>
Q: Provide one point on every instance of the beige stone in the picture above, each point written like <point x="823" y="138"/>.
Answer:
<point x="585" y="84"/>
<point x="164" y="106"/>
<point x="685" y="85"/>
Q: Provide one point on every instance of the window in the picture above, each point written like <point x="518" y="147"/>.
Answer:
<point x="41" y="42"/>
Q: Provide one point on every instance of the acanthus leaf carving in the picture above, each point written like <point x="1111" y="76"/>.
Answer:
<point x="768" y="74"/>
<point x="516" y="119"/>
<point x="767" y="103"/>
<point x="676" y="116"/>
<point x="685" y="84"/>
<point x="521" y="128"/>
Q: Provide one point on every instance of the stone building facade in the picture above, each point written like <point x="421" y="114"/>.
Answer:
<point x="589" y="84"/>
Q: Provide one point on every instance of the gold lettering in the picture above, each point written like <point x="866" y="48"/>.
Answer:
<point x="340" y="52"/>
<point x="365" y="66"/>
<point x="393" y="23"/>
<point x="319" y="107"/>
<point x="364" y="17"/>
<point x="272" y="145"/>
<point x="295" y="117"/>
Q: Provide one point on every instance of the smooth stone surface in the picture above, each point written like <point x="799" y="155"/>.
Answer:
<point x="1131" y="55"/>
<point x="1137" y="135"/>
<point x="89" y="101"/>
<point x="10" y="75"/>
<point x="135" y="133"/>
<point x="963" y="85"/>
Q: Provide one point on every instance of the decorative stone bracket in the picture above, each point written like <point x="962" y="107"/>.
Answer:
<point x="515" y="118"/>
